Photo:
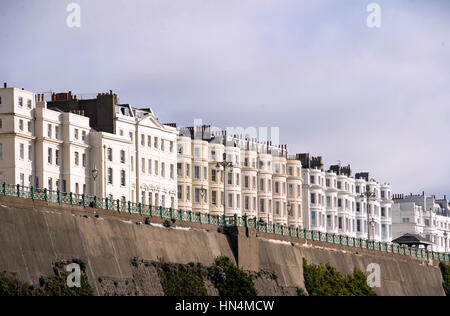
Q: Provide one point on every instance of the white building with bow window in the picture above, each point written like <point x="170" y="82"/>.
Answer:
<point x="57" y="145"/>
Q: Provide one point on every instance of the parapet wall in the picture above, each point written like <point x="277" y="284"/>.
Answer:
<point x="34" y="235"/>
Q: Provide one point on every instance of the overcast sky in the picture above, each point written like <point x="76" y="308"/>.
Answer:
<point x="375" y="98"/>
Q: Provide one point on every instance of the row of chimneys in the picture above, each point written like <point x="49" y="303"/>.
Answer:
<point x="339" y="170"/>
<point x="63" y="96"/>
<point x="40" y="97"/>
<point x="110" y="93"/>
<point x="68" y="96"/>
<point x="402" y="196"/>
<point x="205" y="128"/>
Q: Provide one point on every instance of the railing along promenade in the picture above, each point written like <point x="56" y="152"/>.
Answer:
<point x="219" y="220"/>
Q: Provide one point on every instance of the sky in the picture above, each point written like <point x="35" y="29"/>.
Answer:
<point x="375" y="98"/>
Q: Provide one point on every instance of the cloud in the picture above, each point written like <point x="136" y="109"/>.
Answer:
<point x="375" y="98"/>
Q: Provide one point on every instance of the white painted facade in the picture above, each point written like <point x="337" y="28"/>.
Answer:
<point x="151" y="154"/>
<point x="262" y="183"/>
<point x="380" y="210"/>
<point x="54" y="150"/>
<point x="155" y="164"/>
<point x="333" y="202"/>
<point x="40" y="147"/>
<point x="425" y="216"/>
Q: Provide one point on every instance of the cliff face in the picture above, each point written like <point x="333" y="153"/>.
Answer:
<point x="36" y="235"/>
<point x="399" y="276"/>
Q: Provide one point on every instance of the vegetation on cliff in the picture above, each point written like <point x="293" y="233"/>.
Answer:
<point x="325" y="280"/>
<point x="52" y="286"/>
<point x="445" y="269"/>
<point x="189" y="280"/>
<point x="230" y="280"/>
<point x="182" y="280"/>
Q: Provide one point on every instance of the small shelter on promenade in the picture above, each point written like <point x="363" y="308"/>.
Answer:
<point x="412" y="240"/>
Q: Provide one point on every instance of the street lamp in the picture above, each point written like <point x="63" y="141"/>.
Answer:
<point x="372" y="225"/>
<point x="94" y="176"/>
<point x="368" y="194"/>
<point x="202" y="194"/>
<point x="224" y="164"/>
<point x="431" y="227"/>
<point x="445" y="240"/>
<point x="291" y="209"/>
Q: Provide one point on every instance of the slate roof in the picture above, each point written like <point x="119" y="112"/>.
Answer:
<point x="411" y="239"/>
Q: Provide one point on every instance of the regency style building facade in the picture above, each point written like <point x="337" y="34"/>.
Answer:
<point x="267" y="183"/>
<point x="59" y="145"/>
<point x="425" y="216"/>
<point x="333" y="202"/>
<point x="259" y="181"/>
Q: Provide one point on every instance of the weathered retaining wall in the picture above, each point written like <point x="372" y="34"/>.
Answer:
<point x="35" y="235"/>
<point x="399" y="276"/>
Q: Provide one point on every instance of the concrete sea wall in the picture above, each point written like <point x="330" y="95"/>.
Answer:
<point x="35" y="235"/>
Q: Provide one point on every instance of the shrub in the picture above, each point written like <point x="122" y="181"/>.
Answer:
<point x="445" y="270"/>
<point x="182" y="280"/>
<point x="53" y="286"/>
<point x="325" y="280"/>
<point x="230" y="280"/>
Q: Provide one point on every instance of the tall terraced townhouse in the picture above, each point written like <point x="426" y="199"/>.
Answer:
<point x="222" y="174"/>
<point x="423" y="215"/>
<point x="89" y="146"/>
<point x="333" y="201"/>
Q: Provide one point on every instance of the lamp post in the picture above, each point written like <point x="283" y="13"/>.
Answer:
<point x="372" y="225"/>
<point x="368" y="195"/>
<point x="431" y="227"/>
<point x="445" y="240"/>
<point x="224" y="164"/>
<point x="290" y="208"/>
<point x="202" y="194"/>
<point x="94" y="176"/>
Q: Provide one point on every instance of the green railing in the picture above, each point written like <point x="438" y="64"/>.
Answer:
<point x="219" y="220"/>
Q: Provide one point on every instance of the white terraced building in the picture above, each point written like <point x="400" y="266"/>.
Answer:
<point x="58" y="145"/>
<point x="262" y="182"/>
<point x="425" y="216"/>
<point x="333" y="202"/>
<point x="39" y="147"/>
<point x="265" y="182"/>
